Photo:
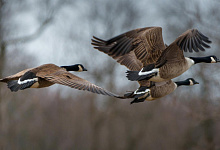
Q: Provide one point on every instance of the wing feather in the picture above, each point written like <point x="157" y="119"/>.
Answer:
<point x="65" y="78"/>
<point x="192" y="37"/>
<point x="146" y="44"/>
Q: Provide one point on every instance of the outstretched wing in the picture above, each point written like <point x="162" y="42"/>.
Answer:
<point x="189" y="41"/>
<point x="68" y="79"/>
<point x="146" y="44"/>
<point x="130" y="61"/>
<point x="192" y="40"/>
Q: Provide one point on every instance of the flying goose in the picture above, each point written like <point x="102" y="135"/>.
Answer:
<point x="49" y="74"/>
<point x="160" y="62"/>
<point x="158" y="90"/>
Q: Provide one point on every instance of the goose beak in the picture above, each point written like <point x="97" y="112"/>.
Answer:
<point x="218" y="60"/>
<point x="84" y="69"/>
<point x="196" y="82"/>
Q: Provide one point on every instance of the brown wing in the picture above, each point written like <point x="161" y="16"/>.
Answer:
<point x="192" y="40"/>
<point x="146" y="43"/>
<point x="68" y="79"/>
<point x="189" y="41"/>
<point x="15" y="76"/>
<point x="130" y="61"/>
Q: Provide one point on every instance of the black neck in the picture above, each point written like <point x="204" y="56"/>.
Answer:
<point x="179" y="83"/>
<point x="71" y="68"/>
<point x="201" y="59"/>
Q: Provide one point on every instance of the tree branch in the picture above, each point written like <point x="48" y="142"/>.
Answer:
<point x="32" y="36"/>
<point x="40" y="29"/>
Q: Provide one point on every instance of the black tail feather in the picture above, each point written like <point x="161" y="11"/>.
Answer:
<point x="133" y="76"/>
<point x="132" y="95"/>
<point x="27" y="85"/>
<point x="129" y="95"/>
<point x="136" y="100"/>
<point x="139" y="95"/>
<point x="14" y="86"/>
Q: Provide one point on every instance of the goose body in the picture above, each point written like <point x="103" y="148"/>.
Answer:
<point x="159" y="62"/>
<point x="49" y="74"/>
<point x="158" y="90"/>
<point x="166" y="72"/>
<point x="154" y="92"/>
<point x="169" y="70"/>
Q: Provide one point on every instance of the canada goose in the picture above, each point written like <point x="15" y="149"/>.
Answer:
<point x="158" y="90"/>
<point x="49" y="74"/>
<point x="160" y="63"/>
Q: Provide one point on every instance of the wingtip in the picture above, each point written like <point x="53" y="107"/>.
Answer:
<point x="208" y="41"/>
<point x="3" y="80"/>
<point x="132" y="102"/>
<point x="120" y="97"/>
<point x="98" y="39"/>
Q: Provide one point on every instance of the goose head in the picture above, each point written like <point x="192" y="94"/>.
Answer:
<point x="76" y="67"/>
<point x="81" y="68"/>
<point x="206" y="59"/>
<point x="187" y="82"/>
<point x="191" y="81"/>
<point x="213" y="59"/>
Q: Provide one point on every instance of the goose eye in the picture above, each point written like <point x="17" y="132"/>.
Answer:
<point x="68" y="76"/>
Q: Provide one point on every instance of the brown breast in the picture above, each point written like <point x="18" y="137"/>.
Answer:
<point x="173" y="69"/>
<point x="163" y="89"/>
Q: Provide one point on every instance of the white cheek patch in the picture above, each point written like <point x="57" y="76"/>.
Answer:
<point x="190" y="62"/>
<point x="80" y="68"/>
<point x="26" y="81"/>
<point x="191" y="82"/>
<point x="213" y="60"/>
<point x="148" y="72"/>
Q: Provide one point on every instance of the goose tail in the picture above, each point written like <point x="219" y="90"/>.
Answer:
<point x="134" y="76"/>
<point x="13" y="85"/>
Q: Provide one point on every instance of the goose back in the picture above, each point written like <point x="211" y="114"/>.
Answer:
<point x="46" y="69"/>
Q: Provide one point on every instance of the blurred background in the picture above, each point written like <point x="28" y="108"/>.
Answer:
<point x="35" y="32"/>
